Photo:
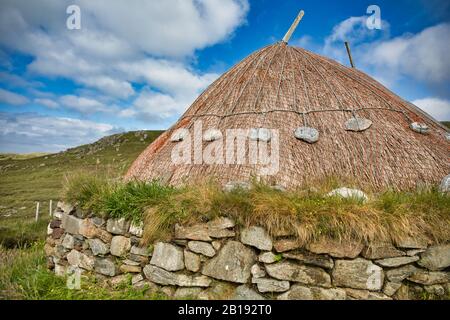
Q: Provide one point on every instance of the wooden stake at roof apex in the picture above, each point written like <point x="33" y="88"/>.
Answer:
<point x="349" y="54"/>
<point x="294" y="25"/>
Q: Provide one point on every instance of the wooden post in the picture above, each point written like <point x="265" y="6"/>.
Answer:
<point x="50" y="207"/>
<point x="349" y="54"/>
<point x="294" y="25"/>
<point x="37" y="211"/>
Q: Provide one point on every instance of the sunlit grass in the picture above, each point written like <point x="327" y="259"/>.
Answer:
<point x="308" y="213"/>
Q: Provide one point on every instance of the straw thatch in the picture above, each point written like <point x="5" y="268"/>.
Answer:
<point x="283" y="87"/>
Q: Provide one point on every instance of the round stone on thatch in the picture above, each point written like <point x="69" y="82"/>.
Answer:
<point x="212" y="135"/>
<point x="419" y="127"/>
<point x="179" y="135"/>
<point x="307" y="134"/>
<point x="348" y="193"/>
<point x="357" y="124"/>
<point x="260" y="134"/>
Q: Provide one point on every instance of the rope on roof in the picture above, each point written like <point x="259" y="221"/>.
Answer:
<point x="347" y="90"/>
<point x="247" y="82"/>
<point x="369" y="86"/>
<point x="304" y="133"/>
<point x="324" y="80"/>
<point x="262" y="134"/>
<point x="306" y="93"/>
<point x="301" y="113"/>
<point x="236" y="78"/>
<point x="281" y="77"/>
<point x="264" y="77"/>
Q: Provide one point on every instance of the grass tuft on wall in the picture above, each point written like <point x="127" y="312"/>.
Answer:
<point x="308" y="213"/>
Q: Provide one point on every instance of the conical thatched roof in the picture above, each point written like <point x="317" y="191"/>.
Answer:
<point x="283" y="87"/>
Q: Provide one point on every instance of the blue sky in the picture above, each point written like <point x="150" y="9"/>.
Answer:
<point x="139" y="64"/>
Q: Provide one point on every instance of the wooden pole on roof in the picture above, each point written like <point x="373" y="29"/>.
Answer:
<point x="349" y="54"/>
<point x="294" y="25"/>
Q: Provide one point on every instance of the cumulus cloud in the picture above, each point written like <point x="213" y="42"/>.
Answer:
<point x="82" y="104"/>
<point x="121" y="41"/>
<point x="155" y="107"/>
<point x="437" y="108"/>
<point x="12" y="98"/>
<point x="170" y="27"/>
<point x="168" y="76"/>
<point x="137" y="54"/>
<point x="422" y="56"/>
<point x="49" y="103"/>
<point x="27" y="132"/>
<point x="122" y="47"/>
<point x="164" y="28"/>
<point x="15" y="81"/>
<point x="355" y="31"/>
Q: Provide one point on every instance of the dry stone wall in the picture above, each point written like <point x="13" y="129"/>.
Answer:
<point x="218" y="260"/>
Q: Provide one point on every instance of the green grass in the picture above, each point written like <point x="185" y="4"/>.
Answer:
<point x="24" y="275"/>
<point x="21" y="156"/>
<point x="113" y="198"/>
<point x="22" y="233"/>
<point x="26" y="181"/>
<point x="309" y="215"/>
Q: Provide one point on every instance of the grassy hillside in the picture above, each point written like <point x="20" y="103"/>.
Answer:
<point x="24" y="156"/>
<point x="28" y="179"/>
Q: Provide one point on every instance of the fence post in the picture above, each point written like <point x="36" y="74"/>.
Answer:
<point x="37" y="211"/>
<point x="50" y="205"/>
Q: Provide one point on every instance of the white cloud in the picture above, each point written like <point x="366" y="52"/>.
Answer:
<point x="47" y="103"/>
<point x="12" y="80"/>
<point x="437" y="108"/>
<point x="12" y="98"/>
<point x="169" y="27"/>
<point x="30" y="132"/>
<point x="355" y="31"/>
<point x="108" y="85"/>
<point x="423" y="56"/>
<point x="121" y="41"/>
<point x="155" y="106"/>
<point x="168" y="76"/>
<point x="82" y="104"/>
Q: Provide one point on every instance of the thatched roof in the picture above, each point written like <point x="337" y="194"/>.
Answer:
<point x="284" y="87"/>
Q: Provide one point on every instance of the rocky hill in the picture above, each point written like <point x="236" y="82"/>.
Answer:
<point x="27" y="179"/>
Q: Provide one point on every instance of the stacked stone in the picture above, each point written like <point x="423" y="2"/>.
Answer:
<point x="108" y="248"/>
<point x="217" y="260"/>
